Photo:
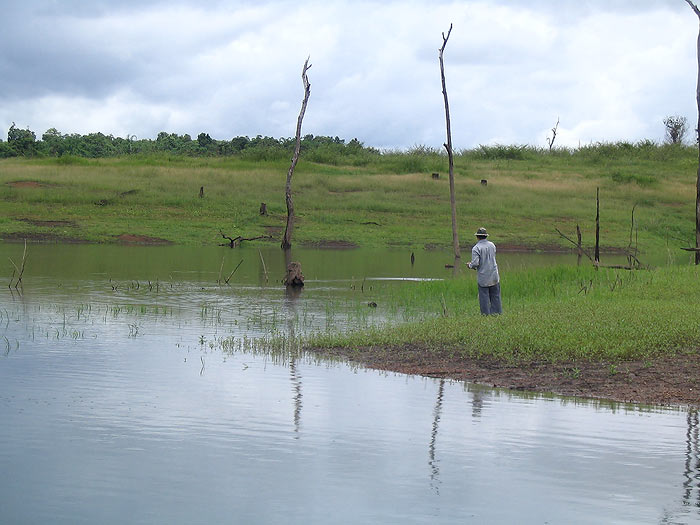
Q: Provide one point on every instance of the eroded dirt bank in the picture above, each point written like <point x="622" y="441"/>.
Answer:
<point x="670" y="380"/>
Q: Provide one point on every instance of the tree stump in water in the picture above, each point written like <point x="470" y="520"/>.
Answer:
<point x="294" y="276"/>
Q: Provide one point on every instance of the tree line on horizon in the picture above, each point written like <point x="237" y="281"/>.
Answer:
<point x="322" y="149"/>
<point x="24" y="143"/>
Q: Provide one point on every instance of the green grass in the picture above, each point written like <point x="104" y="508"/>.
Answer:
<point x="530" y="192"/>
<point x="550" y="314"/>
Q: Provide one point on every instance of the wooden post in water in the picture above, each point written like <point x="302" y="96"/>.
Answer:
<point x="294" y="276"/>
<point x="578" y="245"/>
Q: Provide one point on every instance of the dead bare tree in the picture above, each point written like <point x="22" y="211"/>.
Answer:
<point x="697" y="185"/>
<point x="287" y="239"/>
<point x="632" y="248"/>
<point x="550" y="142"/>
<point x="596" y="256"/>
<point x="448" y="147"/>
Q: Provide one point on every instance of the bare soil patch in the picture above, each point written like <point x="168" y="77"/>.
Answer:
<point x="128" y="238"/>
<point x="50" y="224"/>
<point x="26" y="184"/>
<point x="41" y="237"/>
<point x="669" y="380"/>
<point x="335" y="245"/>
<point x="273" y="230"/>
<point x="521" y="248"/>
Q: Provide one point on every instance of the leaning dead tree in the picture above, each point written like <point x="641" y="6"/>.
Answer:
<point x="448" y="147"/>
<point x="550" y="142"/>
<point x="697" y="184"/>
<point x="287" y="239"/>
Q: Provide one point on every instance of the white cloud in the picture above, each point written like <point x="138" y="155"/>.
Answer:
<point x="609" y="71"/>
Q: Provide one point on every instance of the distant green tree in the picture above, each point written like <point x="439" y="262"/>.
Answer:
<point x="96" y="145"/>
<point x="23" y="141"/>
<point x="239" y="143"/>
<point x="5" y="150"/>
<point x="204" y="140"/>
<point x="54" y="143"/>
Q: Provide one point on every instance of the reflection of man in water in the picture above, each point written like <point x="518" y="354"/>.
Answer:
<point x="484" y="262"/>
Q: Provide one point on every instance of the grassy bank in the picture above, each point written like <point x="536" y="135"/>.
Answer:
<point x="550" y="314"/>
<point x="369" y="200"/>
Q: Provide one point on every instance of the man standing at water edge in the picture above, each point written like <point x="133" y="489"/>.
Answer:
<point x="484" y="262"/>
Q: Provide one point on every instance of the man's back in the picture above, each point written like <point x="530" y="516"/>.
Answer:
<point x="484" y="260"/>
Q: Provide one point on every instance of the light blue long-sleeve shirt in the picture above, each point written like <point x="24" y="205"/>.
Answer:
<point x="484" y="262"/>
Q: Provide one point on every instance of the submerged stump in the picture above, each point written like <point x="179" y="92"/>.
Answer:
<point x="294" y="276"/>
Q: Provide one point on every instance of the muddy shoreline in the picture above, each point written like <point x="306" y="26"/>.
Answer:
<point x="667" y="381"/>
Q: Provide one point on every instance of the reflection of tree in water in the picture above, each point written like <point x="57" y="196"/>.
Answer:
<point x="296" y="384"/>
<point x="692" y="462"/>
<point x="691" y="475"/>
<point x="434" y="468"/>
<point x="477" y="403"/>
<point x="291" y="294"/>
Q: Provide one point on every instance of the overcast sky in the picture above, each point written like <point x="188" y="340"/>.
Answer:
<point x="607" y="69"/>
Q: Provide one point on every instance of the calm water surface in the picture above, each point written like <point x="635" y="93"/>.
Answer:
<point x="120" y="403"/>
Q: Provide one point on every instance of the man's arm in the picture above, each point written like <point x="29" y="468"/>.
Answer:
<point x="474" y="263"/>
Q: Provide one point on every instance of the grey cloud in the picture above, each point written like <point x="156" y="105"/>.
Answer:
<point x="233" y="69"/>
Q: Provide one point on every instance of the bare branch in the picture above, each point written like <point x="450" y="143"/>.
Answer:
<point x="445" y="39"/>
<point x="574" y="243"/>
<point x="235" y="241"/>
<point x="694" y="7"/>
<point x="234" y="271"/>
<point x="554" y="135"/>
<point x="19" y="271"/>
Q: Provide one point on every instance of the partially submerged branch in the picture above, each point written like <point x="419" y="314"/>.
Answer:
<point x="633" y="263"/>
<point x="577" y="244"/>
<point x="18" y="271"/>
<point x="236" y="241"/>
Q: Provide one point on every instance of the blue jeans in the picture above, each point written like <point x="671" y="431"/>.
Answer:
<point x="490" y="299"/>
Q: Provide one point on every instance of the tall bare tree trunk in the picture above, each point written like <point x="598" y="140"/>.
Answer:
<point x="596" y="253"/>
<point x="448" y="147"/>
<point x="287" y="239"/>
<point x="697" y="131"/>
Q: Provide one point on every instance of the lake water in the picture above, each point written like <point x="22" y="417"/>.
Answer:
<point x="130" y="392"/>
